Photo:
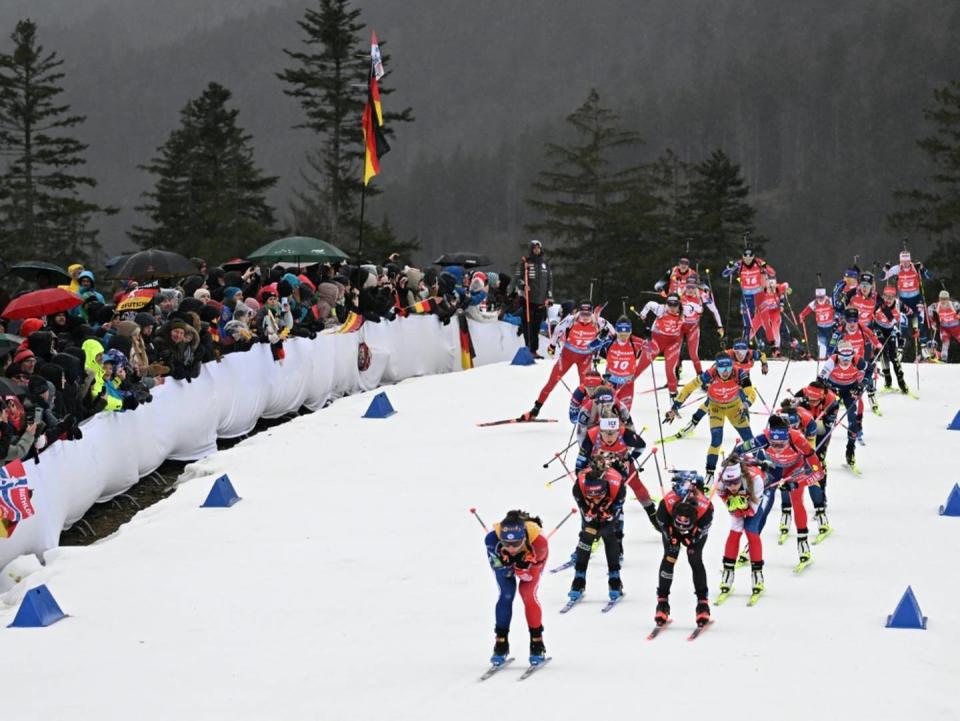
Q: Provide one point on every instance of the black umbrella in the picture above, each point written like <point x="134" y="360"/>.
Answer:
<point x="32" y="269"/>
<point x="116" y="259"/>
<point x="8" y="342"/>
<point x="152" y="264"/>
<point x="9" y="388"/>
<point x="467" y="260"/>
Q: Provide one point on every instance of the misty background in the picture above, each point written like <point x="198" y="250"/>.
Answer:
<point x="819" y="102"/>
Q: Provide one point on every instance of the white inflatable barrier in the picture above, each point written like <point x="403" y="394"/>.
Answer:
<point x="184" y="420"/>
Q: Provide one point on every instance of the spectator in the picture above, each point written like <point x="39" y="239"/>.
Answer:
<point x="534" y="280"/>
<point x="18" y="433"/>
<point x="176" y="347"/>
<point x="74" y="285"/>
<point x="275" y="323"/>
<point x="97" y="398"/>
<point x="88" y="286"/>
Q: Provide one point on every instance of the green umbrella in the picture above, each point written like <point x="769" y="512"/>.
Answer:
<point x="298" y="249"/>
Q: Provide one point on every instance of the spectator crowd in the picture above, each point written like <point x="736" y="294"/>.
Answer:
<point x="109" y="352"/>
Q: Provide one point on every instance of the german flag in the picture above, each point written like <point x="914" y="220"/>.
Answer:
<point x="424" y="306"/>
<point x="467" y="353"/>
<point x="374" y="141"/>
<point x="351" y="324"/>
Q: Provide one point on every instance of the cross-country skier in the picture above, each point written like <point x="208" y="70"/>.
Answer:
<point x="802" y="420"/>
<point x="945" y="314"/>
<point x="743" y="357"/>
<point x="586" y="414"/>
<point x="844" y="372"/>
<point x="741" y="489"/>
<point x="599" y="496"/>
<point x="887" y="321"/>
<point x="768" y="304"/>
<point x="693" y="299"/>
<point x="611" y="444"/>
<point x="726" y="399"/>
<point x="685" y="515"/>
<point x="574" y="333"/>
<point x="627" y="357"/>
<point x="517" y="551"/>
<point x="749" y="272"/>
<point x="665" y="335"/>
<point x="674" y="279"/>
<point x="824" y="315"/>
<point x="865" y="344"/>
<point x="849" y="281"/>
<point x="910" y="277"/>
<point x="795" y="466"/>
<point x="863" y="298"/>
<point x="823" y="405"/>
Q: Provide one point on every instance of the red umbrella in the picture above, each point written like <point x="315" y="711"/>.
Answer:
<point x="41" y="302"/>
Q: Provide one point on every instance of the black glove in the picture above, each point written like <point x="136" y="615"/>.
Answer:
<point x="130" y="403"/>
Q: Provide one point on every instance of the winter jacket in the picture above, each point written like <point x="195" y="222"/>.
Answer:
<point x="538" y="279"/>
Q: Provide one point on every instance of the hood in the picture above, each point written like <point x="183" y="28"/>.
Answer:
<point x="91" y="349"/>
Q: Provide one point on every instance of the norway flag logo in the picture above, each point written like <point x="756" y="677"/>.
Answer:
<point x="15" y="505"/>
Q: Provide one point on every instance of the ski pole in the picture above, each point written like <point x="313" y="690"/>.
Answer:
<point x="639" y="466"/>
<point x="656" y="400"/>
<point x="557" y="527"/>
<point x="835" y="426"/>
<point x="558" y="478"/>
<point x="564" y="450"/>
<point x="479" y="520"/>
<point x="663" y="493"/>
<point x="780" y="387"/>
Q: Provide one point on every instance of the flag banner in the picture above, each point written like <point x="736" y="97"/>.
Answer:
<point x="15" y="498"/>
<point x="375" y="59"/>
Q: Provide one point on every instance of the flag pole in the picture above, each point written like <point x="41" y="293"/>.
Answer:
<point x="363" y="197"/>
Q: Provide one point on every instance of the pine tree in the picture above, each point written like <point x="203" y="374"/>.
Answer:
<point x="42" y="214"/>
<point x="935" y="209"/>
<point x="601" y="214"/>
<point x="329" y="80"/>
<point x="714" y="213"/>
<point x="209" y="198"/>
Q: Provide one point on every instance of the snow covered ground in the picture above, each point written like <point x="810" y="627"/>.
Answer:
<point x="351" y="582"/>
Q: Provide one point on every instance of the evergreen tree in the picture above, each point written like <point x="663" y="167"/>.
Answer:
<point x="209" y="199"/>
<point x="42" y="214"/>
<point x="602" y="215"/>
<point x="329" y="80"/>
<point x="714" y="213"/>
<point x="935" y="209"/>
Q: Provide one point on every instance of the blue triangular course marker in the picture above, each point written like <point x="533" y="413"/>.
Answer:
<point x="379" y="407"/>
<point x="952" y="506"/>
<point x="222" y="494"/>
<point x="955" y="423"/>
<point x="523" y="357"/>
<point x="37" y="609"/>
<point x="907" y="613"/>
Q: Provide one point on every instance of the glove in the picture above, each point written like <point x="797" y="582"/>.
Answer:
<point x="789" y="485"/>
<point x="764" y="368"/>
<point x="720" y="332"/>
<point x="737" y="503"/>
<point x="551" y="349"/>
<point x="670" y="416"/>
<point x="574" y="414"/>
<point x="660" y="285"/>
<point x="744" y="412"/>
<point x="886" y="267"/>
<point x="130" y="403"/>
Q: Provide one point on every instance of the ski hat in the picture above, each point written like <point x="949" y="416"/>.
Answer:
<point x="779" y="429"/>
<point x="513" y="533"/>
<point x="851" y="315"/>
<point x="673" y="300"/>
<point x="944" y="295"/>
<point x="683" y="259"/>
<point x="593" y="485"/>
<point x="748" y="253"/>
<point x="585" y="307"/>
<point x="731" y="473"/>
<point x="820" y="292"/>
<point x="592" y="379"/>
<point x="890" y="290"/>
<point x="866" y="277"/>
<point x="723" y="363"/>
<point x="813" y="392"/>
<point x="853" y="272"/>
<point x="609" y="424"/>
<point x="692" y="279"/>
<point x="534" y="243"/>
<point x="603" y="396"/>
<point x="904" y="256"/>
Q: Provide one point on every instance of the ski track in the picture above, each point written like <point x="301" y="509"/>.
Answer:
<point x="351" y="582"/>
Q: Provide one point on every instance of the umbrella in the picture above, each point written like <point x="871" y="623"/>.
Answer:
<point x="31" y="269"/>
<point x="9" y="388"/>
<point x="9" y="341"/>
<point x="467" y="260"/>
<point x="41" y="302"/>
<point x="116" y="259"/>
<point x="298" y="248"/>
<point x="238" y="264"/>
<point x="151" y="264"/>
<point x="137" y="299"/>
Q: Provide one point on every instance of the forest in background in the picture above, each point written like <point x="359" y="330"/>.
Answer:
<point x="819" y="103"/>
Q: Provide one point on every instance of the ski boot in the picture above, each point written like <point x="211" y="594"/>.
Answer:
<point x="708" y="481"/>
<point x="673" y="396"/>
<point x="823" y="523"/>
<point x="902" y="383"/>
<point x="887" y="379"/>
<point x="874" y="406"/>
<point x="686" y="430"/>
<point x="757" y="569"/>
<point x="533" y="412"/>
<point x="803" y="546"/>
<point x="744" y="557"/>
<point x="703" y="612"/>
<point x="501" y="647"/>
<point x="786" y="514"/>
<point x="726" y="580"/>
<point x="851" y="454"/>
<point x="538" y="652"/>
<point x="662" y="614"/>
<point x="615" y="584"/>
<point x="579" y="583"/>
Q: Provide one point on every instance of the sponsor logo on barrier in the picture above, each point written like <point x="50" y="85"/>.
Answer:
<point x="364" y="356"/>
<point x="15" y="495"/>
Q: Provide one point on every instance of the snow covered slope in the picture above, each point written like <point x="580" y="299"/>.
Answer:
<point x="351" y="582"/>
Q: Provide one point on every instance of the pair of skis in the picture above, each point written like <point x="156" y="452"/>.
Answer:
<point x="531" y="669"/>
<point x="568" y="606"/>
<point x="508" y="421"/>
<point x="724" y="595"/>
<point x="694" y="635"/>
